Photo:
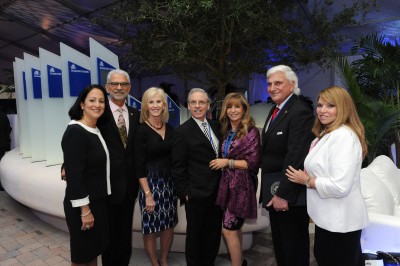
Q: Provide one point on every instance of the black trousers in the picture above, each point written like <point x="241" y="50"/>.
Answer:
<point x="290" y="236"/>
<point x="331" y="249"/>
<point x="203" y="233"/>
<point x="119" y="250"/>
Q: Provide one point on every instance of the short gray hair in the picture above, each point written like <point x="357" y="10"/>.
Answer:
<point x="289" y="74"/>
<point x="118" y="71"/>
<point x="197" y="90"/>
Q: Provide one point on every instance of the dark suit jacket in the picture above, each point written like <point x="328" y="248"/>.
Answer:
<point x="123" y="179"/>
<point x="287" y="142"/>
<point x="86" y="160"/>
<point x="5" y="130"/>
<point x="191" y="156"/>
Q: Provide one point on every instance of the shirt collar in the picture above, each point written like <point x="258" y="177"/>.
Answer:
<point x="115" y="107"/>
<point x="284" y="102"/>
<point x="200" y="122"/>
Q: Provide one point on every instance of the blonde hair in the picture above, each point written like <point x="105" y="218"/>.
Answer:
<point x="246" y="122"/>
<point x="148" y="94"/>
<point x="346" y="115"/>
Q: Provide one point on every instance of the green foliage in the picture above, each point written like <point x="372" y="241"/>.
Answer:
<point x="372" y="82"/>
<point x="9" y="86"/>
<point x="228" y="39"/>
<point x="9" y="90"/>
<point x="378" y="71"/>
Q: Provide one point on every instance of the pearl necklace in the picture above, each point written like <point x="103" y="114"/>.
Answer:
<point x="153" y="126"/>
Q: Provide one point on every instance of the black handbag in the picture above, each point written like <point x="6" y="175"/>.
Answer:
<point x="270" y="185"/>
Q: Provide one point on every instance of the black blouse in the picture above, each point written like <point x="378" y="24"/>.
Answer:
<point x="151" y="147"/>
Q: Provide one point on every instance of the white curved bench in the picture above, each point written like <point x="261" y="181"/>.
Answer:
<point x="40" y="188"/>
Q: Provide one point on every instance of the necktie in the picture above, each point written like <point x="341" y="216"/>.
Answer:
<point x="208" y="135"/>
<point x="274" y="113"/>
<point x="122" y="127"/>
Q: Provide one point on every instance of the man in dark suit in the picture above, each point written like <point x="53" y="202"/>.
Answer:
<point x="124" y="184"/>
<point x="196" y="183"/>
<point x="286" y="139"/>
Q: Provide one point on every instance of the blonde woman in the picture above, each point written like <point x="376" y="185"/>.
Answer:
<point x="332" y="177"/>
<point x="157" y="197"/>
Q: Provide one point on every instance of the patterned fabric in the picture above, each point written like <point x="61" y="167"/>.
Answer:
<point x="153" y="161"/>
<point x="231" y="222"/>
<point x="122" y="127"/>
<point x="237" y="189"/>
<point x="165" y="214"/>
<point x="207" y="133"/>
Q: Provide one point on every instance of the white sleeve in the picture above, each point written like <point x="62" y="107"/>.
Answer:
<point x="344" y="156"/>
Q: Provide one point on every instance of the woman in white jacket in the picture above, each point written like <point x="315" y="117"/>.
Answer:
<point x="332" y="176"/>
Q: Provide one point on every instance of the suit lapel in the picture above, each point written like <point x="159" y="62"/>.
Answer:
<point x="278" y="119"/>
<point x="318" y="146"/>
<point x="114" y="126"/>
<point x="199" y="134"/>
<point x="265" y="125"/>
<point x="132" y="124"/>
<point x="214" y="129"/>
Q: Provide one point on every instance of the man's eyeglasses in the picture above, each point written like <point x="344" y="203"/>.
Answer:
<point x="200" y="103"/>
<point x="123" y="85"/>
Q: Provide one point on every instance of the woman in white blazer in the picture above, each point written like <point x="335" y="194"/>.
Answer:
<point x="332" y="176"/>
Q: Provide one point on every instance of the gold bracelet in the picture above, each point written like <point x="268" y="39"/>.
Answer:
<point x="86" y="214"/>
<point x="147" y="192"/>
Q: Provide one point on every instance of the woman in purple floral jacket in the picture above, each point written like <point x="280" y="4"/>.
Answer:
<point x="240" y="163"/>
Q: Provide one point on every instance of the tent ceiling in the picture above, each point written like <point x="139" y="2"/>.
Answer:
<point x="26" y="25"/>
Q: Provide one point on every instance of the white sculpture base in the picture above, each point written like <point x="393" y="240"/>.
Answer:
<point x="40" y="188"/>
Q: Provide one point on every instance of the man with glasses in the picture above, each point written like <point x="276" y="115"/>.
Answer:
<point x="196" y="183"/>
<point x="118" y="127"/>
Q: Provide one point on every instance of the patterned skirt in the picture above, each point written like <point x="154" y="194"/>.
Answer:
<point x="165" y="213"/>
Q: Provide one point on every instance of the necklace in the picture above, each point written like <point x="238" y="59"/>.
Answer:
<point x="153" y="126"/>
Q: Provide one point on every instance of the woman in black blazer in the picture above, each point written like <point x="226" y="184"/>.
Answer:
<point x="87" y="164"/>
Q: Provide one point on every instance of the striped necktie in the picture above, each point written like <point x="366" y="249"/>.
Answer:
<point x="208" y="135"/>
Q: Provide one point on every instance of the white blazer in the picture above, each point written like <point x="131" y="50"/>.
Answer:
<point x="336" y="204"/>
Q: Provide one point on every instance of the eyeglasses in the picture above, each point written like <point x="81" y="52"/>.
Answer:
<point x="123" y="85"/>
<point x="200" y="103"/>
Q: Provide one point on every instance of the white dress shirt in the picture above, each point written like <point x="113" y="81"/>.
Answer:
<point x="114" y="110"/>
